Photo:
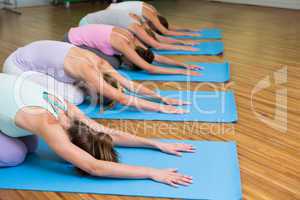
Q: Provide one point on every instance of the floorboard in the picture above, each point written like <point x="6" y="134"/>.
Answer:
<point x="258" y="42"/>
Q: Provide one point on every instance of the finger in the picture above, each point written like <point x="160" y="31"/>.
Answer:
<point x="190" y="178"/>
<point x="172" y="170"/>
<point x="181" y="182"/>
<point x="192" y="147"/>
<point x="185" y="150"/>
<point x="190" y="150"/>
<point x="172" y="184"/>
<point x="177" y="153"/>
<point x="189" y="147"/>
<point x="187" y="180"/>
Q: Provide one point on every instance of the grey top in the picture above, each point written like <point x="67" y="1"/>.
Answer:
<point x="119" y="18"/>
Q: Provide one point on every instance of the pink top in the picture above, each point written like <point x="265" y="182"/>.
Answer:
<point x="94" y="36"/>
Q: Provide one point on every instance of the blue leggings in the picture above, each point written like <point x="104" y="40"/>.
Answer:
<point x="13" y="151"/>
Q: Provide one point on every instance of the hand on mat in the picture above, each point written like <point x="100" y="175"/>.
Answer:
<point x="188" y="48"/>
<point x="190" y="66"/>
<point x="191" y="73"/>
<point x="175" y="102"/>
<point x="176" y="149"/>
<point x="190" y="42"/>
<point x="172" y="110"/>
<point x="171" y="177"/>
<point x="194" y="34"/>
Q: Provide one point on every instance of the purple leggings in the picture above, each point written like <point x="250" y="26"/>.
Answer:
<point x="14" y="150"/>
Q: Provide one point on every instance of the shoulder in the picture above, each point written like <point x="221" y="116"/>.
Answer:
<point x="34" y="119"/>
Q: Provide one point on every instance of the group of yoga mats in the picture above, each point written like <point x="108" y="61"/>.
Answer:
<point x="208" y="106"/>
<point x="205" y="48"/>
<point x="214" y="167"/>
<point x="206" y="33"/>
<point x="212" y="72"/>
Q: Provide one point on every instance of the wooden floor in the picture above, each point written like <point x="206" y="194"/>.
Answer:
<point x="258" y="42"/>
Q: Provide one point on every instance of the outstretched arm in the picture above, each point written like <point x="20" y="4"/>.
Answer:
<point x="93" y="77"/>
<point x="169" y="61"/>
<point x="169" y="40"/>
<point x="121" y="138"/>
<point x="57" y="138"/>
<point x="155" y="21"/>
<point x="136" y="87"/>
<point x="143" y="36"/>
<point x="137" y="60"/>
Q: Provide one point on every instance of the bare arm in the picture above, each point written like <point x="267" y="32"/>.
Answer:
<point x="155" y="21"/>
<point x="137" y="60"/>
<point x="131" y="85"/>
<point x="56" y="137"/>
<point x="143" y="36"/>
<point x="137" y="42"/>
<point x="45" y="125"/>
<point x="138" y="88"/>
<point x="169" y="40"/>
<point x="169" y="61"/>
<point x="94" y="79"/>
<point x="147" y="39"/>
<point x="121" y="138"/>
<point x="175" y="41"/>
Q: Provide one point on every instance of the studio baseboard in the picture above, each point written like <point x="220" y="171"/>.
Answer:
<point x="291" y="4"/>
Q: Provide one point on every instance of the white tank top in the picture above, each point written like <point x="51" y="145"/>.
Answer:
<point x="17" y="93"/>
<point x="135" y="7"/>
<point x="111" y="17"/>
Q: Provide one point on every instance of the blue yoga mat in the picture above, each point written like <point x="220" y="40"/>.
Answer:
<point x="205" y="48"/>
<point x="212" y="72"/>
<point x="214" y="167"/>
<point x="208" y="106"/>
<point x="206" y="33"/>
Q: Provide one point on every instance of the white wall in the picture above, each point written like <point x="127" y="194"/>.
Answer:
<point x="292" y="4"/>
<point x="24" y="3"/>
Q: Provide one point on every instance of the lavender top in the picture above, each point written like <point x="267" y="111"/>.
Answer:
<point x="46" y="57"/>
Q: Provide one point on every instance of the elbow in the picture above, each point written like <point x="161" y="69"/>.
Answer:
<point x="90" y="169"/>
<point x="95" y="169"/>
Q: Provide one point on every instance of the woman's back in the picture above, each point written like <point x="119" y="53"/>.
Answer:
<point x="45" y="56"/>
<point x="110" y="17"/>
<point x="135" y="7"/>
<point x="17" y="93"/>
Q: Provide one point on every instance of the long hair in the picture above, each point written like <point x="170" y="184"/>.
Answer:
<point x="145" y="54"/>
<point x="97" y="144"/>
<point x="163" y="21"/>
<point x="150" y="33"/>
<point x="96" y="98"/>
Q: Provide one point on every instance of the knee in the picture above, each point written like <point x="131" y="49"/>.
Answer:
<point x="13" y="156"/>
